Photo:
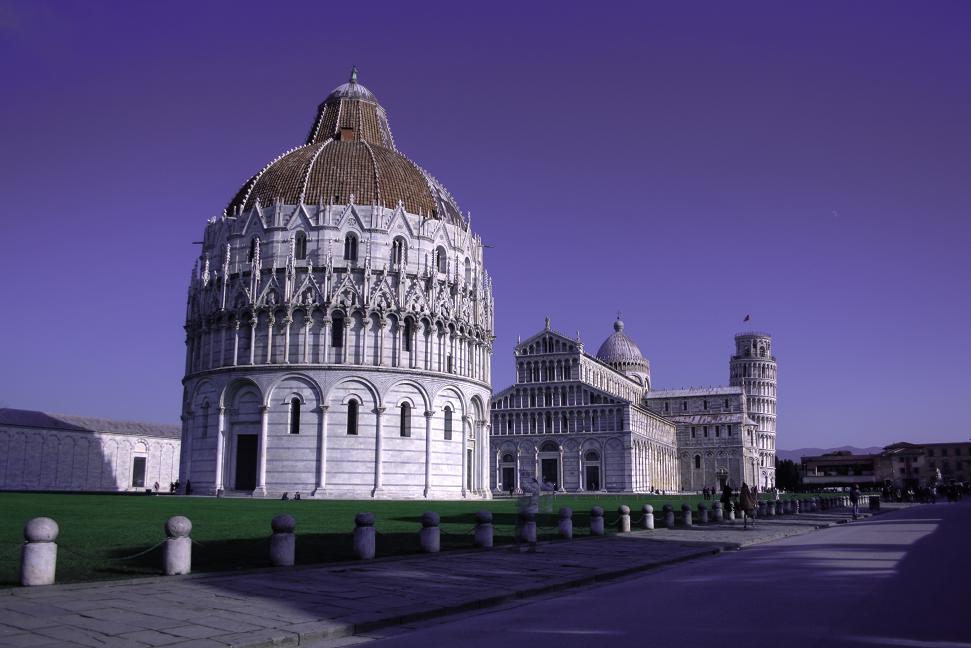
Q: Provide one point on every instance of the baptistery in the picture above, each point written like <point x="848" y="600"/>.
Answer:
<point x="339" y="326"/>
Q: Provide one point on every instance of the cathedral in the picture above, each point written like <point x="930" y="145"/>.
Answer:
<point x="339" y="326"/>
<point x="592" y="423"/>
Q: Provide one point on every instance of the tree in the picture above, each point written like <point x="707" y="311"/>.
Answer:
<point x="787" y="474"/>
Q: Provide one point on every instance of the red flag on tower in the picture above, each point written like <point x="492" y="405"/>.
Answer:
<point x="747" y="318"/>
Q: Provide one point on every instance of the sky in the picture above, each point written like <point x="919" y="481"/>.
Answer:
<point x="686" y="164"/>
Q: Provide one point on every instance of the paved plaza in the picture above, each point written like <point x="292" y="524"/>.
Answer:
<point x="300" y="606"/>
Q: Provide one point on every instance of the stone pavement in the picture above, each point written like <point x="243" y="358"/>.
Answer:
<point x="302" y="605"/>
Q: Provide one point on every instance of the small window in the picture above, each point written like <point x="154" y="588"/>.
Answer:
<point x="468" y="272"/>
<point x="300" y="246"/>
<point x="398" y="251"/>
<point x="352" y="416"/>
<point x="692" y="431"/>
<point x="684" y="406"/>
<point x="448" y="423"/>
<point x="728" y="430"/>
<point x="441" y="259"/>
<point x="448" y="363"/>
<point x="697" y="461"/>
<point x="405" y="424"/>
<point x="337" y="331"/>
<point x="252" y="248"/>
<point x="705" y="429"/>
<point x="294" y="415"/>
<point x="409" y="331"/>
<point x="726" y="403"/>
<point x="705" y="404"/>
<point x="667" y="407"/>
<point x="350" y="248"/>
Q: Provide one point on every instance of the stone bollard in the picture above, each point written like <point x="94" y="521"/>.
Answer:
<point x="668" y="516"/>
<point x="527" y="526"/>
<point x="38" y="557"/>
<point x="762" y="509"/>
<point x="730" y="512"/>
<point x="566" y="523"/>
<point x="482" y="536"/>
<point x="780" y="508"/>
<point x="648" y="517"/>
<point x="795" y="507"/>
<point x="623" y="519"/>
<point x="770" y="509"/>
<point x="283" y="542"/>
<point x="596" y="521"/>
<point x="686" y="514"/>
<point x="364" y="536"/>
<point x="717" y="510"/>
<point x="178" y="547"/>
<point x="702" y="513"/>
<point x="814" y="504"/>
<point x="430" y="535"/>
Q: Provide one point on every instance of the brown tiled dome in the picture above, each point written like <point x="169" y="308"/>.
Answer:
<point x="349" y="152"/>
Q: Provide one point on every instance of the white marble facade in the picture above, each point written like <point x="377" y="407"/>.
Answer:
<point x="53" y="452"/>
<point x="339" y="335"/>
<point x="593" y="423"/>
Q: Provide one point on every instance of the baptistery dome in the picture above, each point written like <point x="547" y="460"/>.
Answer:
<point x="339" y="326"/>
<point x="623" y="354"/>
<point x="349" y="154"/>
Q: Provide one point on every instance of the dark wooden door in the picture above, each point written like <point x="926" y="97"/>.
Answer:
<point x="246" y="461"/>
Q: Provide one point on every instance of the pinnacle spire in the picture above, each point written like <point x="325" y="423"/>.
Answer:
<point x="353" y="78"/>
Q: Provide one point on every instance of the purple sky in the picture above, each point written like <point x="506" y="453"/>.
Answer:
<point x="684" y="163"/>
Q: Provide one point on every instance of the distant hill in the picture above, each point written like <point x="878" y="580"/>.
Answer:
<point x="798" y="453"/>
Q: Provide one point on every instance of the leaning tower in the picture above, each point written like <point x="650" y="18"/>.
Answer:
<point x="753" y="368"/>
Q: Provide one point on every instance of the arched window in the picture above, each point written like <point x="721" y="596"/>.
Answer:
<point x="549" y="422"/>
<point x="337" y="331"/>
<point x="405" y="425"/>
<point x="352" y="416"/>
<point x="441" y="260"/>
<point x="468" y="271"/>
<point x="409" y="331"/>
<point x="300" y="246"/>
<point x="508" y="458"/>
<point x="252" y="248"/>
<point x="398" y="252"/>
<point x="350" y="248"/>
<point x="549" y="446"/>
<point x="697" y="461"/>
<point x="294" y="415"/>
<point x="448" y="423"/>
<point x="591" y="456"/>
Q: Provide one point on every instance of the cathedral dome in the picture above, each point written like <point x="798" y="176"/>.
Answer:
<point x="349" y="156"/>
<point x="623" y="354"/>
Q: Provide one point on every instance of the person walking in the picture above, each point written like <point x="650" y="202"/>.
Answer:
<point x="855" y="499"/>
<point x="746" y="502"/>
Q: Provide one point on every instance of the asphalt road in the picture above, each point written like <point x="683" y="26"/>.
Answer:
<point x="899" y="579"/>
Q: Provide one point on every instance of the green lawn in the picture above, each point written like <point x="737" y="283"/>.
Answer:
<point x="99" y="532"/>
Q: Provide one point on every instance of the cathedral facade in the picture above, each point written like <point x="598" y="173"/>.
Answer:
<point x="587" y="423"/>
<point x="339" y="326"/>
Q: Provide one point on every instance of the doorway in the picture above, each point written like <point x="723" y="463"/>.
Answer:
<point x="593" y="478"/>
<point x="550" y="469"/>
<point x="722" y="478"/>
<point x="246" y="449"/>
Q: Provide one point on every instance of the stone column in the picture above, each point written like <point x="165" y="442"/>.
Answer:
<point x="466" y="425"/>
<point x="347" y="331"/>
<point x="518" y="488"/>
<point x="254" y="320"/>
<point x="382" y="325"/>
<point x="324" y="340"/>
<point x="287" y="322"/>
<point x="308" y="321"/>
<point x="322" y="451"/>
<point x="428" y="451"/>
<point x="185" y="466"/>
<point x="583" y="477"/>
<point x="236" y="342"/>
<point x="560" y="473"/>
<point x="220" y="449"/>
<point x="264" y="431"/>
<point x="365" y="334"/>
<point x="270" y="321"/>
<point x="379" y="415"/>
<point x="222" y="345"/>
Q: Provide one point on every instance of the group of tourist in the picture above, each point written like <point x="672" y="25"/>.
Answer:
<point x="286" y="496"/>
